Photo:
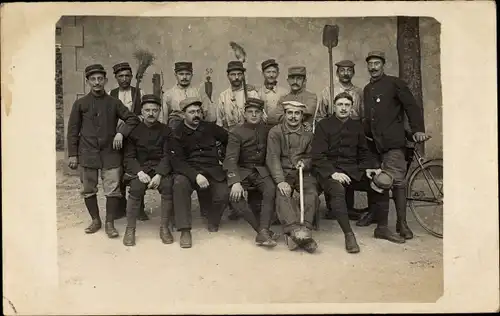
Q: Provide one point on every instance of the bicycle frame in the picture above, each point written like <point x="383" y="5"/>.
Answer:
<point x="421" y="162"/>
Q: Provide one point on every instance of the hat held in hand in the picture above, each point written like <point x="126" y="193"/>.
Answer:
<point x="382" y="181"/>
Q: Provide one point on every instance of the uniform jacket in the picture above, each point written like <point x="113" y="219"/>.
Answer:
<point x="92" y="128"/>
<point x="324" y="109"/>
<point x="271" y="98"/>
<point x="173" y="97"/>
<point x="136" y="104"/>
<point x="281" y="158"/>
<point x="308" y="98"/>
<point x="340" y="147"/>
<point x="146" y="150"/>
<point x="194" y="152"/>
<point x="387" y="100"/>
<point x="246" y="152"/>
<point x="231" y="106"/>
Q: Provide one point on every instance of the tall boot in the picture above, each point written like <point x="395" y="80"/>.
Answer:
<point x="133" y="206"/>
<point x="112" y="205"/>
<point x="400" y="202"/>
<point x="93" y="209"/>
<point x="381" y="211"/>
<point x="166" y="210"/>
<point x="122" y="210"/>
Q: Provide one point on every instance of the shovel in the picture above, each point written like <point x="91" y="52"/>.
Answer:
<point x="301" y="192"/>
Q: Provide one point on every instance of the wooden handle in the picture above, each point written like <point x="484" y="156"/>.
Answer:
<point x="301" y="191"/>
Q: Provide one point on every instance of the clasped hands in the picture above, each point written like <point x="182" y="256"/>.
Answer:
<point x="153" y="183"/>
<point x="345" y="179"/>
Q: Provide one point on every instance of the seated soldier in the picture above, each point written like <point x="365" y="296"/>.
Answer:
<point x="196" y="166"/>
<point x="245" y="163"/>
<point x="146" y="157"/>
<point x="288" y="150"/>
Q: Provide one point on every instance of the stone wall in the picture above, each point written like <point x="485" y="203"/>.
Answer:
<point x="205" y="42"/>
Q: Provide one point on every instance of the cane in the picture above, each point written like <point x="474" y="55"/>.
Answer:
<point x="301" y="191"/>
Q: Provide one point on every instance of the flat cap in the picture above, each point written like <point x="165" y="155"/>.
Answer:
<point x="95" y="68"/>
<point x="376" y="54"/>
<point x="235" y="65"/>
<point x="183" y="65"/>
<point x="293" y="105"/>
<point x="268" y="63"/>
<point x="382" y="181"/>
<point x="151" y="98"/>
<point x="253" y="102"/>
<point x="345" y="63"/>
<point x="297" y="71"/>
<point x="121" y="66"/>
<point x="189" y="101"/>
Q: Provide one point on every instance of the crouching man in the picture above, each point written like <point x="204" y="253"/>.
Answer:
<point x="196" y="166"/>
<point x="288" y="149"/>
<point x="245" y="163"/>
<point x="146" y="157"/>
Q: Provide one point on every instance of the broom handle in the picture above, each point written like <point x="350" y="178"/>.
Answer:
<point x="330" y="60"/>
<point x="245" y="88"/>
<point x="301" y="191"/>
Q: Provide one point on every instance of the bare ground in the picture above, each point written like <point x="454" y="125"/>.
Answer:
<point x="227" y="268"/>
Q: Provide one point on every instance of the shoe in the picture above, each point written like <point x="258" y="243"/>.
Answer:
<point x="385" y="233"/>
<point x="213" y="228"/>
<point x="264" y="238"/>
<point x="111" y="230"/>
<point x="186" y="240"/>
<point x="292" y="245"/>
<point x="94" y="226"/>
<point x="310" y="246"/>
<point x="166" y="235"/>
<point x="366" y="219"/>
<point x="351" y="245"/>
<point x="403" y="230"/>
<point x="129" y="236"/>
<point x="274" y="236"/>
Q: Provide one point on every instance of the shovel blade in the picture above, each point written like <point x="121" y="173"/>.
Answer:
<point x="330" y="35"/>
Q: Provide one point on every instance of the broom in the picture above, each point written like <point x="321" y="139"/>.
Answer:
<point x="144" y="59"/>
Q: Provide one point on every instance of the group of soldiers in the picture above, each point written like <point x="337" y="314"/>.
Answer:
<point x="251" y="152"/>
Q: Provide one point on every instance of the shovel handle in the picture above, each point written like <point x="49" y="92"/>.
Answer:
<point x="301" y="191"/>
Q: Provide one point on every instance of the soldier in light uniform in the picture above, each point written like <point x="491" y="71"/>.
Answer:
<point x="245" y="163"/>
<point x="271" y="92"/>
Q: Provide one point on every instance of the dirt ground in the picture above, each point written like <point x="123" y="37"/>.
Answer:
<point x="227" y="268"/>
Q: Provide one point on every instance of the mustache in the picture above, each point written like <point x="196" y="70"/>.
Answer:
<point x="196" y="118"/>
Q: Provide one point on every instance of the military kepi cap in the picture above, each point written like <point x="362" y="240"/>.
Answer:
<point x="183" y="65"/>
<point x="92" y="69"/>
<point x="345" y="63"/>
<point x="189" y="101"/>
<point x="382" y="181"/>
<point x="151" y="98"/>
<point x="235" y="65"/>
<point x="121" y="66"/>
<point x="376" y="54"/>
<point x="293" y="105"/>
<point x="253" y="102"/>
<point x="297" y="71"/>
<point x="268" y="63"/>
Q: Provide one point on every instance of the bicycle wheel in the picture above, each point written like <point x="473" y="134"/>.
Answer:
<point x="425" y="196"/>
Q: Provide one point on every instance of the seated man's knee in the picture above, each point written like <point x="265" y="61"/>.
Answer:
<point x="181" y="182"/>
<point x="166" y="184"/>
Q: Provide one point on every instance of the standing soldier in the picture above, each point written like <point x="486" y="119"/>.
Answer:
<point x="245" y="163"/>
<point x="92" y="143"/>
<point x="146" y="158"/>
<point x="288" y="149"/>
<point x="386" y="100"/>
<point x="196" y="166"/>
<point x="172" y="113"/>
<point x="127" y="94"/>
<point x="345" y="73"/>
<point x="270" y="92"/>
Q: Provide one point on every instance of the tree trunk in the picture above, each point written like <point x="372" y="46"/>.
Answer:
<point x="408" y="45"/>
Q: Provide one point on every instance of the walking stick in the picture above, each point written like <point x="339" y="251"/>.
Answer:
<point x="301" y="191"/>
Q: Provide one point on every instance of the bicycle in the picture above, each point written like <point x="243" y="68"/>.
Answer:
<point x="425" y="185"/>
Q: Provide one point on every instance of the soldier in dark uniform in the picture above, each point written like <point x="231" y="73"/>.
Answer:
<point x="196" y="166"/>
<point x="127" y="93"/>
<point x="245" y="163"/>
<point x="94" y="145"/>
<point x="147" y="159"/>
<point x="387" y="99"/>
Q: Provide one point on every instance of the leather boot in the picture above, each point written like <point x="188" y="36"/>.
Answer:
<point x="264" y="238"/>
<point x="121" y="212"/>
<point x="129" y="237"/>
<point x="186" y="240"/>
<point x="310" y="246"/>
<point x="383" y="232"/>
<point x="112" y="205"/>
<point x="351" y="245"/>
<point x="400" y="202"/>
<point x="110" y="230"/>
<point x="366" y="219"/>
<point x="93" y="209"/>
<point x="94" y="226"/>
<point x="166" y="235"/>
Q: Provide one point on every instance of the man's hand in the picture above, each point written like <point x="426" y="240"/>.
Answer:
<point x="420" y="137"/>
<point x="285" y="188"/>
<point x="264" y="117"/>
<point x="236" y="192"/>
<point x="308" y="126"/>
<point x="73" y="162"/>
<point x="141" y="118"/>
<point x="144" y="177"/>
<point x="300" y="164"/>
<point x="155" y="182"/>
<point x="370" y="173"/>
<point x="202" y="181"/>
<point x="118" y="141"/>
<point x="341" y="177"/>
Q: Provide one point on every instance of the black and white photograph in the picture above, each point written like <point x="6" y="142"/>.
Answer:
<point x="250" y="160"/>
